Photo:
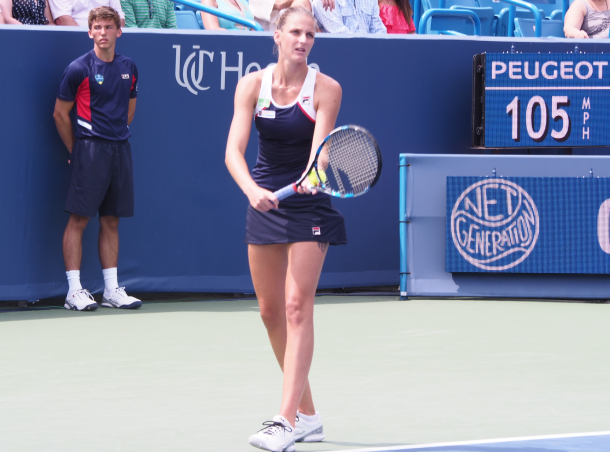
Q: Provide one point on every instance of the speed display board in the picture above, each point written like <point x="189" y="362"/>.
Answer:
<point x="530" y="100"/>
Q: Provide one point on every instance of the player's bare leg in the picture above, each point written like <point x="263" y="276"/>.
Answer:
<point x="108" y="241"/>
<point x="305" y="260"/>
<point x="73" y="241"/>
<point x="108" y="248"/>
<point x="78" y="299"/>
<point x="268" y="266"/>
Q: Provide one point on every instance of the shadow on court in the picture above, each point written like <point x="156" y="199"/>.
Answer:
<point x="191" y="304"/>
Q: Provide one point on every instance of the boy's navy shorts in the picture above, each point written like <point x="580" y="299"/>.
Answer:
<point x="101" y="178"/>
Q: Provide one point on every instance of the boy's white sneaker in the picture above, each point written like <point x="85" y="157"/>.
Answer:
<point x="308" y="429"/>
<point x="277" y="436"/>
<point x="80" y="300"/>
<point x="119" y="299"/>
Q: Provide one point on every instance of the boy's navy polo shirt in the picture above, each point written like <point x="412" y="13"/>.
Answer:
<point x="101" y="92"/>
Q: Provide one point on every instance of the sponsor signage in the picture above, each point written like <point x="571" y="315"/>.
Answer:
<point x="528" y="225"/>
<point x="190" y="67"/>
<point x="541" y="100"/>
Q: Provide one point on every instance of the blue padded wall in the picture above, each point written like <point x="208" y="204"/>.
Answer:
<point x="412" y="93"/>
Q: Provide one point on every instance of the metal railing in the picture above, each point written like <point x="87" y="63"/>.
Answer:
<point x="218" y="13"/>
<point x="511" y="16"/>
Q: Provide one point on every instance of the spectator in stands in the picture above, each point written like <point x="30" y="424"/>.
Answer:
<point x="397" y="16"/>
<point x="26" y="12"/>
<point x="76" y="12"/>
<point x="149" y="13"/>
<point x="239" y="8"/>
<point x="587" y="19"/>
<point x="1" y="17"/>
<point x="352" y="16"/>
<point x="266" y="12"/>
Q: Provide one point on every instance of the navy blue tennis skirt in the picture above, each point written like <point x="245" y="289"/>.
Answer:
<point x="314" y="220"/>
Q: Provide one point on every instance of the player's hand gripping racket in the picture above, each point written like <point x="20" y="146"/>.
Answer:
<point x="347" y="164"/>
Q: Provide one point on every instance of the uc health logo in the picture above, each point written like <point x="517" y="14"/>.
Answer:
<point x="189" y="71"/>
<point x="495" y="224"/>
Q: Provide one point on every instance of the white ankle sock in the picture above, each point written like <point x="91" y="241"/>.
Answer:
<point x="111" y="281"/>
<point x="73" y="280"/>
<point x="308" y="418"/>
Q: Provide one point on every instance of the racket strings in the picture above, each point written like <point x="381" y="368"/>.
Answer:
<point x="353" y="161"/>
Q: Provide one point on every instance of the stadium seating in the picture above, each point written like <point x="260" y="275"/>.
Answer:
<point x="486" y="16"/>
<point x="197" y="15"/>
<point x="502" y="24"/>
<point x="187" y="20"/>
<point x="525" y="28"/>
<point x="493" y="15"/>
<point x="450" y="21"/>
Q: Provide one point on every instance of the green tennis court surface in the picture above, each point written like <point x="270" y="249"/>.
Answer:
<point x="200" y="376"/>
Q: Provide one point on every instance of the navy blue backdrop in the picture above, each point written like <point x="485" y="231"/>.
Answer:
<point x="412" y="93"/>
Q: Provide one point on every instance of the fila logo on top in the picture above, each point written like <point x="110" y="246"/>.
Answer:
<point x="495" y="224"/>
<point x="189" y="72"/>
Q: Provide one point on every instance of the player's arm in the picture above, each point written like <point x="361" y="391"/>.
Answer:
<point x="327" y="96"/>
<point x="246" y="96"/>
<point x="63" y="122"/>
<point x="131" y="110"/>
<point x="133" y="94"/>
<point x="327" y="102"/>
<point x="573" y="21"/>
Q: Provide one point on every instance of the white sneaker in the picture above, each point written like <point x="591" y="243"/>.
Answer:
<point x="80" y="300"/>
<point x="119" y="299"/>
<point x="277" y="436"/>
<point x="308" y="429"/>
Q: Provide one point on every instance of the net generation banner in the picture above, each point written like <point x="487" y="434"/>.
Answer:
<point x="528" y="225"/>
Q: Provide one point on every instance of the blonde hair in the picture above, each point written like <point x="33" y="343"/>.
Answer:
<point x="281" y="20"/>
<point x="104" y="12"/>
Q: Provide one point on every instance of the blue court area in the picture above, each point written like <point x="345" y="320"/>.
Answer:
<point x="587" y="442"/>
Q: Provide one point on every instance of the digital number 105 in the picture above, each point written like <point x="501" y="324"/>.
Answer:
<point x="538" y="103"/>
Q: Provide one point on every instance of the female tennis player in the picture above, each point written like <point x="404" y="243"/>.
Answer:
<point x="294" y="109"/>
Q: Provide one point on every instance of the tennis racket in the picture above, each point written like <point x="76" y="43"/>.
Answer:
<point x="347" y="164"/>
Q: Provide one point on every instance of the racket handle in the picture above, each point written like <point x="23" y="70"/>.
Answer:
<point x="285" y="192"/>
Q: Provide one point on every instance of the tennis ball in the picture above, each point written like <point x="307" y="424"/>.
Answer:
<point x="322" y="175"/>
<point x="313" y="178"/>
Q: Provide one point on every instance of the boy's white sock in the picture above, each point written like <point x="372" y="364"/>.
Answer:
<point x="73" y="280"/>
<point x="111" y="281"/>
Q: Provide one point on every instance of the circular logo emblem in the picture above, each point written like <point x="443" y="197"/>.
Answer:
<point x="495" y="224"/>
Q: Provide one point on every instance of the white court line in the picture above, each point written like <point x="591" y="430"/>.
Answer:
<point x="467" y="443"/>
<point x="516" y="88"/>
